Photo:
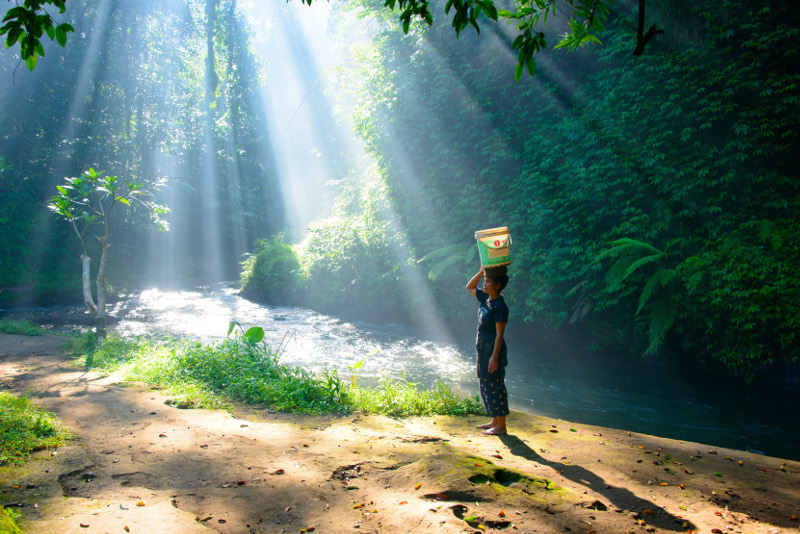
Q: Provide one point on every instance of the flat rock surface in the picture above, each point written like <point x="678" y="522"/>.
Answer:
<point x="139" y="465"/>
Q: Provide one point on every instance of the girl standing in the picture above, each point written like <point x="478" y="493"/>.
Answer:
<point x="491" y="347"/>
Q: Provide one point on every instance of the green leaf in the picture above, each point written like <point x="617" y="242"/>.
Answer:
<point x="13" y="36"/>
<point x="61" y="36"/>
<point x="123" y="200"/>
<point x="231" y="326"/>
<point x="531" y="66"/>
<point x="254" y="334"/>
<point x="48" y="28"/>
<point x="31" y="62"/>
<point x="518" y="72"/>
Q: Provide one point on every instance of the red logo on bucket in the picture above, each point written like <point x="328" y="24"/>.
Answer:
<point x="497" y="242"/>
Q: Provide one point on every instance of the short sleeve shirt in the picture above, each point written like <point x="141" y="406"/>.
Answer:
<point x="491" y="312"/>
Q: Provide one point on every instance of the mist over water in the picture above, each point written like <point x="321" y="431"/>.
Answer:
<point x="579" y="387"/>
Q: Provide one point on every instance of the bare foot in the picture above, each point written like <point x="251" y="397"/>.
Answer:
<point x="486" y="425"/>
<point x="495" y="431"/>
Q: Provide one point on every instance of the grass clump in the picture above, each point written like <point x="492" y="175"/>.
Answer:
<point x="24" y="327"/>
<point x="25" y="427"/>
<point x="400" y="398"/>
<point x="212" y="375"/>
<point x="8" y="524"/>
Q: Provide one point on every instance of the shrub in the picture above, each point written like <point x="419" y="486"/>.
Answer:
<point x="272" y="274"/>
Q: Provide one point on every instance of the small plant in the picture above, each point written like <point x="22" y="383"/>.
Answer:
<point x="8" y="523"/>
<point x="253" y="335"/>
<point x="356" y="366"/>
<point x="24" y="327"/>
<point x="24" y="428"/>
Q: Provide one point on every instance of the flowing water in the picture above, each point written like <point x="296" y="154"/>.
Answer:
<point x="579" y="387"/>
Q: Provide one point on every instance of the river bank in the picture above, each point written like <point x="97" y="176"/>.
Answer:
<point x="148" y="466"/>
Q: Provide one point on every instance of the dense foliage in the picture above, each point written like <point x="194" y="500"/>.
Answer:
<point x="652" y="199"/>
<point x="149" y="92"/>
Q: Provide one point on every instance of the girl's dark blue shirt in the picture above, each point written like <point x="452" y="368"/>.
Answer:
<point x="490" y="312"/>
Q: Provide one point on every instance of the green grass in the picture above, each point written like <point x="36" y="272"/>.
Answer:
<point x="24" y="327"/>
<point x="8" y="525"/>
<point x="399" y="398"/>
<point x="216" y="374"/>
<point x="24" y="427"/>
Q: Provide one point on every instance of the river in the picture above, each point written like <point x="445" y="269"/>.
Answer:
<point x="579" y="387"/>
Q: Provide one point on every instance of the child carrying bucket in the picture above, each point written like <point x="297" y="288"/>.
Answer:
<point x="494" y="246"/>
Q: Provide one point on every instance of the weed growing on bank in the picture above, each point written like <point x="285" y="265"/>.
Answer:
<point x="8" y="523"/>
<point x="24" y="428"/>
<point x="213" y="375"/>
<point x="25" y="327"/>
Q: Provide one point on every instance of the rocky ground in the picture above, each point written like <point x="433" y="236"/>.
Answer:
<point x="141" y="465"/>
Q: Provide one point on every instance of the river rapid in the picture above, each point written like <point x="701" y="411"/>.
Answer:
<point x="563" y="384"/>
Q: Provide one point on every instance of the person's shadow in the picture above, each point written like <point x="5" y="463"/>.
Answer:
<point x="620" y="497"/>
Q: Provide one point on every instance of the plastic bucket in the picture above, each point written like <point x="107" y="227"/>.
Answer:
<point x="494" y="246"/>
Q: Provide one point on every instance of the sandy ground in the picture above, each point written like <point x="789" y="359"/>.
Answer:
<point x="142" y="466"/>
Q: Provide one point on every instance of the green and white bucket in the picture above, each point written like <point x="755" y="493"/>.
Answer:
<point x="494" y="246"/>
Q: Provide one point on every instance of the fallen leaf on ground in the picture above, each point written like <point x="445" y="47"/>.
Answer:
<point x="502" y="513"/>
<point x="403" y="502"/>
<point x="140" y="503"/>
<point x="417" y="485"/>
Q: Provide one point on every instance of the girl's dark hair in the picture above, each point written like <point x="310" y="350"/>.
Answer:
<point x="501" y="280"/>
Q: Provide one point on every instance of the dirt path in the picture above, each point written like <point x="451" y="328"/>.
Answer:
<point x="143" y="466"/>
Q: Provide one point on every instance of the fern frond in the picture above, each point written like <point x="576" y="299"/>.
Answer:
<point x="443" y="252"/>
<point x="693" y="281"/>
<point x="442" y="266"/>
<point x="641" y="262"/>
<point x="470" y="253"/>
<point x="616" y="272"/>
<point x="625" y="247"/>
<point x="662" y="316"/>
<point x="661" y="277"/>
<point x="577" y="287"/>
<point x="697" y="267"/>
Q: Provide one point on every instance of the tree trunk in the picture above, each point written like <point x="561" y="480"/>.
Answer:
<point x="100" y="317"/>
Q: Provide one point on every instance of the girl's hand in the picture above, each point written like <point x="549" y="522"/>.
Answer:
<point x="493" y="364"/>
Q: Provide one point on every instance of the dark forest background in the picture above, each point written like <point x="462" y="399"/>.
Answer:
<point x="652" y="200"/>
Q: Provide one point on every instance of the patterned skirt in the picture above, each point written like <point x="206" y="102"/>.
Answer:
<point x="492" y="385"/>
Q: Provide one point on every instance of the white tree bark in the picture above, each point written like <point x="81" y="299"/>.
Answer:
<point x="86" y="262"/>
